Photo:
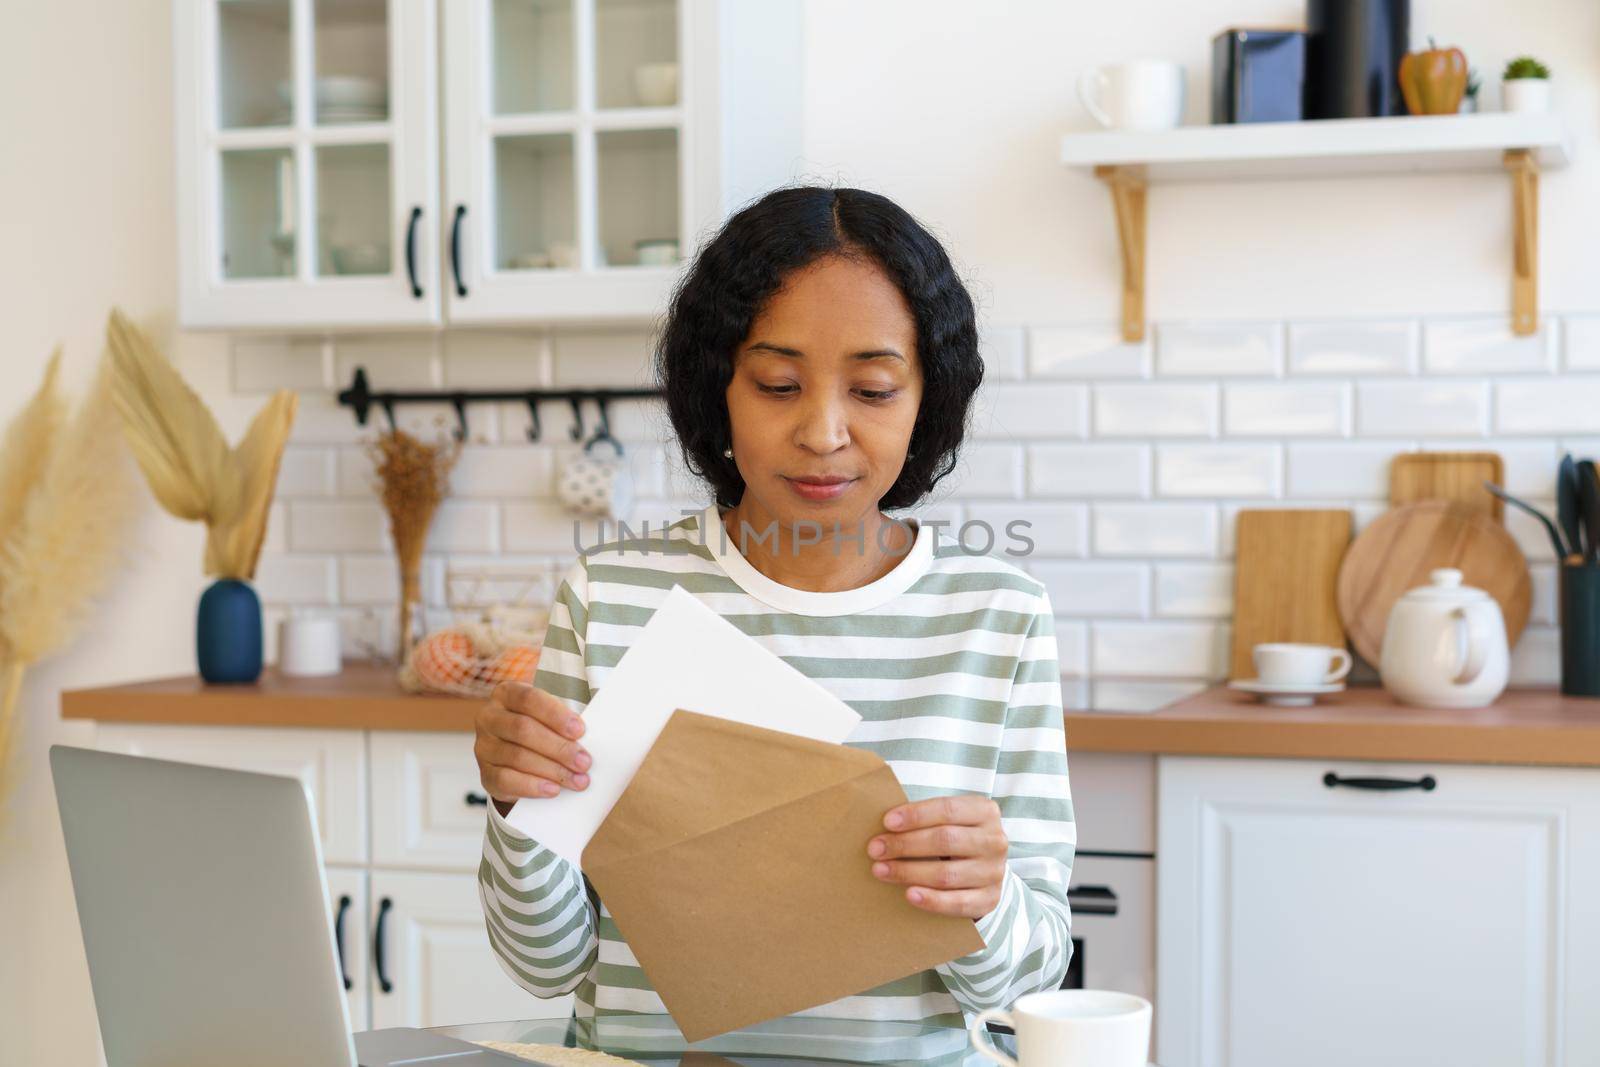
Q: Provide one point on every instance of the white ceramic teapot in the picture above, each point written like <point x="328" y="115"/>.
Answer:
<point x="1445" y="645"/>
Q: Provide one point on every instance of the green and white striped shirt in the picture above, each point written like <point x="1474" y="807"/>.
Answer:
<point x="950" y="659"/>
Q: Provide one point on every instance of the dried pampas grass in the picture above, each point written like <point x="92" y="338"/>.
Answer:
<point x="66" y="490"/>
<point x="413" y="477"/>
<point x="186" y="460"/>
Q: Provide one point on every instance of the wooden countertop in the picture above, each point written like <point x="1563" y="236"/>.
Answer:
<point x="1525" y="726"/>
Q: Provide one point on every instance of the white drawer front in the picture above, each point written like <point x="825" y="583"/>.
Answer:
<point x="332" y="764"/>
<point x="1113" y="800"/>
<point x="421" y="816"/>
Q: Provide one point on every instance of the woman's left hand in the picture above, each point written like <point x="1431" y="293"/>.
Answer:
<point x="949" y="851"/>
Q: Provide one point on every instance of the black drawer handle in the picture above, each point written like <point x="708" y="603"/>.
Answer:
<point x="478" y="800"/>
<point x="1092" y="900"/>
<point x="338" y="938"/>
<point x="411" y="251"/>
<point x="455" y="248"/>
<point x="377" y="947"/>
<point x="1426" y="783"/>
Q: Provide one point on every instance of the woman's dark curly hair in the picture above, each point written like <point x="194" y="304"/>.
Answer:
<point x="750" y="258"/>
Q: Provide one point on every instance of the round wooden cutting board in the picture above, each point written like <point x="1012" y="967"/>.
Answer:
<point x="1398" y="550"/>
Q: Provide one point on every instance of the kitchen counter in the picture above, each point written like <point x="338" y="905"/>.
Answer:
<point x="1536" y="727"/>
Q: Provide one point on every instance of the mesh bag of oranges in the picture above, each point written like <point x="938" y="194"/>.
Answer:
<point x="470" y="658"/>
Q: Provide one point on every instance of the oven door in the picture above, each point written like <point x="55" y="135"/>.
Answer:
<point x="1113" y="925"/>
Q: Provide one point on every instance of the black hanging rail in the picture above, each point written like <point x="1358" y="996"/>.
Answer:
<point x="361" y="399"/>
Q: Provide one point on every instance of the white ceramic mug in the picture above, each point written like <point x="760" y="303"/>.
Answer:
<point x="309" y="646"/>
<point x="1142" y="94"/>
<point x="1292" y="664"/>
<point x="597" y="486"/>
<point x="1071" y="1028"/>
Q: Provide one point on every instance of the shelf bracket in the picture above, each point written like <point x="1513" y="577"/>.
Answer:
<point x="1127" y="185"/>
<point x="1524" y="172"/>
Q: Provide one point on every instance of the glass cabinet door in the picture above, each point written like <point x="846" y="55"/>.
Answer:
<point x="566" y="149"/>
<point x="309" y="162"/>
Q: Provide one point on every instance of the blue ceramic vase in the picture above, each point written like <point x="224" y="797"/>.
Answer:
<point x="227" y="632"/>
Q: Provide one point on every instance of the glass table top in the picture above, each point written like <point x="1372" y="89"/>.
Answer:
<point x="653" y="1039"/>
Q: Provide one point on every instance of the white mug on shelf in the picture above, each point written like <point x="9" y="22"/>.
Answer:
<point x="309" y="646"/>
<point x="1070" y="1028"/>
<point x="1142" y="94"/>
<point x="1293" y="664"/>
<point x="597" y="486"/>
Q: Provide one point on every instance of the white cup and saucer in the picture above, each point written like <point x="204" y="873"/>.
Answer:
<point x="1070" y="1028"/>
<point x="1292" y="675"/>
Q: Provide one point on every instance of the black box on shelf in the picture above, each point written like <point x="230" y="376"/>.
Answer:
<point x="1258" y="76"/>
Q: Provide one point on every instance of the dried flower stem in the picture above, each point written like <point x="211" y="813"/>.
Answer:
<point x="413" y="477"/>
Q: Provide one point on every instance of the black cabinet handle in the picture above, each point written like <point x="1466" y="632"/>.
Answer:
<point x="377" y="947"/>
<point x="1092" y="900"/>
<point x="338" y="938"/>
<point x="455" y="248"/>
<point x="411" y="251"/>
<point x="1387" y="785"/>
<point x="478" y="800"/>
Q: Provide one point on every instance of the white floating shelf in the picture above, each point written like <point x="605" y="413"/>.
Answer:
<point x="1324" y="147"/>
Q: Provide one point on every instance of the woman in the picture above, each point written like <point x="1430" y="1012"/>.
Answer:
<point x="818" y="361"/>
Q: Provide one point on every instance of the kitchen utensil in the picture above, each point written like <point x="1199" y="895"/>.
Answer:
<point x="1283" y="589"/>
<point x="1143" y="94"/>
<point x="1070" y="1028"/>
<point x="1445" y="645"/>
<point x="1580" y="630"/>
<point x="1257" y="75"/>
<point x="1588" y="479"/>
<point x="1549" y="527"/>
<point x="309" y="646"/>
<point x="1295" y="664"/>
<point x="1457" y="476"/>
<point x="1567" y="504"/>
<point x="1433" y="81"/>
<point x="1300" y="695"/>
<point x="1353" y="51"/>
<point x="656" y="84"/>
<point x="1403" y="546"/>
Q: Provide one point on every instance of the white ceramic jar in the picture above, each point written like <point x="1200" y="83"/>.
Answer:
<point x="1445" y="645"/>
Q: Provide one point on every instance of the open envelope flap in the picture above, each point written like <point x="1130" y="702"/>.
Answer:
<point x="704" y="772"/>
<point x="772" y="907"/>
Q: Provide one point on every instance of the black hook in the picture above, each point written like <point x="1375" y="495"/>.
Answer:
<point x="577" y="417"/>
<point x="533" y="417"/>
<point x="602" y="433"/>
<point x="358" y="397"/>
<point x="388" y="409"/>
<point x="459" y="402"/>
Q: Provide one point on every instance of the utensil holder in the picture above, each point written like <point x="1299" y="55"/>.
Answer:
<point x="1580" y="630"/>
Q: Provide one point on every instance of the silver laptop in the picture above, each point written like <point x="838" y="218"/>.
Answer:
<point x="206" y="921"/>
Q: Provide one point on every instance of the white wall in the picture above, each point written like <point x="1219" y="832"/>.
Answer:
<point x="964" y="107"/>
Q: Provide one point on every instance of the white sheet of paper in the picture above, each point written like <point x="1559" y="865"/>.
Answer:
<point x="686" y="656"/>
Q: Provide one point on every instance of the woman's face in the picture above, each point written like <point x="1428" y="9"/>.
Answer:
<point x="824" y="395"/>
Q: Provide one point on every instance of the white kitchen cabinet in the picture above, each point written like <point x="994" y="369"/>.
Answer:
<point x="432" y="964"/>
<point x="332" y="764"/>
<point x="578" y="176"/>
<point x="428" y="805"/>
<point x="1317" y="921"/>
<point x="347" y="896"/>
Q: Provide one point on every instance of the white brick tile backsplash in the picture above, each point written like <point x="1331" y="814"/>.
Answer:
<point x="1340" y="470"/>
<point x="1095" y="590"/>
<point x="1118" y="695"/>
<point x="1219" y="470"/>
<point x="1002" y="350"/>
<point x="1581" y="338"/>
<point x="488" y="359"/>
<point x="1158" y="649"/>
<point x="1031" y="409"/>
<point x="369" y="579"/>
<point x="1529" y="532"/>
<point x="1180" y="530"/>
<point x="320" y="421"/>
<point x="1194" y="590"/>
<point x="1546" y="598"/>
<point x="1536" y="661"/>
<point x="545" y="526"/>
<point x="984" y="469"/>
<point x="1093" y="470"/>
<point x="1219" y="349"/>
<point x="296" y="579"/>
<point x="277" y="537"/>
<point x="1421" y="408"/>
<point x="1054" y="529"/>
<point x="603" y="357"/>
<point x="465" y="526"/>
<point x="504" y="471"/>
<point x="1354" y="347"/>
<point x="393" y="361"/>
<point x="1086" y="351"/>
<point x="1569" y="405"/>
<point x="1286" y="409"/>
<point x="1072" y="649"/>
<point x="1149" y="409"/>
<point x="1486" y="346"/>
<point x="267" y="364"/>
<point x="338" y="526"/>
<point x="306" y="472"/>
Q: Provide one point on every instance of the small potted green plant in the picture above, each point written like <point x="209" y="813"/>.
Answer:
<point x="1525" y="86"/>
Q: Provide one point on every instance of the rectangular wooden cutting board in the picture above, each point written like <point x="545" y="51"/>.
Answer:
<point x="1454" y="476"/>
<point x="1286" y="569"/>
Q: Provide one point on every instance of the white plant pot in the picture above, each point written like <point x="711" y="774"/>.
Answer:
<point x="1526" y="94"/>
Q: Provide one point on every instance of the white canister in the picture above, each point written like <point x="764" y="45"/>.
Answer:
<point x="308" y="646"/>
<point x="1142" y="94"/>
<point x="1525" y="95"/>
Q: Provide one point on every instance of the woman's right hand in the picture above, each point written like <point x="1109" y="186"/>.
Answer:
<point x="527" y="745"/>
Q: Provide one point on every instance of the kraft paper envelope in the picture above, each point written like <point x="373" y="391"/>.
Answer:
<point x="685" y="656"/>
<point x="736" y="867"/>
